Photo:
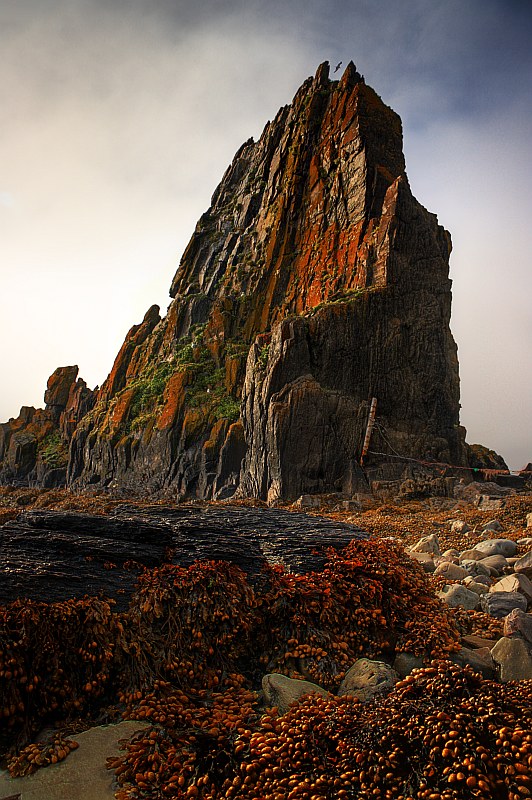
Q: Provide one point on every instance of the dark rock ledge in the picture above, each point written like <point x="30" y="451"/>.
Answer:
<point x="55" y="555"/>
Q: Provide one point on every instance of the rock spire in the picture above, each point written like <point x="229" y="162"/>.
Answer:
<point x="314" y="282"/>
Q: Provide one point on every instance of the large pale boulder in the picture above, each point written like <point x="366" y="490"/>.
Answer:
<point x="281" y="691"/>
<point x="514" y="659"/>
<point x="427" y="544"/>
<point x="425" y="559"/>
<point x="81" y="776"/>
<point x="455" y="595"/>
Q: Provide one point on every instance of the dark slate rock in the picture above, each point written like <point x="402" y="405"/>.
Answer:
<point x="54" y="555"/>
<point x="499" y="604"/>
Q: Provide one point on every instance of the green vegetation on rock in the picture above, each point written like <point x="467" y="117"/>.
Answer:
<point x="53" y="451"/>
<point x="206" y="388"/>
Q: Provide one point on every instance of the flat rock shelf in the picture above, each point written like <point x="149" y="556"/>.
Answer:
<point x="55" y="555"/>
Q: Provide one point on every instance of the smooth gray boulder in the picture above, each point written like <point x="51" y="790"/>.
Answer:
<point x="496" y="562"/>
<point x="456" y="595"/>
<point x="450" y="571"/>
<point x="497" y="547"/>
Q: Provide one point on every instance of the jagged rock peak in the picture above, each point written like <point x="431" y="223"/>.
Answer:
<point x="287" y="221"/>
<point x="351" y="76"/>
<point x="314" y="282"/>
<point x="58" y="387"/>
<point x="322" y="74"/>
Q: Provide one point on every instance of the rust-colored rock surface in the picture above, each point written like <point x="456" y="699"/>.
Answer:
<point x="314" y="282"/>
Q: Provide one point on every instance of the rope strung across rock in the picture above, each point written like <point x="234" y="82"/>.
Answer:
<point x="445" y="465"/>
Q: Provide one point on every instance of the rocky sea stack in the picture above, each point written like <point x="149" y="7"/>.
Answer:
<point x="314" y="283"/>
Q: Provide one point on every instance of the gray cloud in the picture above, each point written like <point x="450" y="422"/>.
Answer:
<point x="117" y="120"/>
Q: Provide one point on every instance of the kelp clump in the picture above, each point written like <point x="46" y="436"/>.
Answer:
<point x="196" y="627"/>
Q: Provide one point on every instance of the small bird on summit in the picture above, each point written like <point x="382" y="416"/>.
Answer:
<point x="337" y="67"/>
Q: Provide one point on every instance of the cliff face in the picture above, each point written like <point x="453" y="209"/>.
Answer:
<point x="314" y="282"/>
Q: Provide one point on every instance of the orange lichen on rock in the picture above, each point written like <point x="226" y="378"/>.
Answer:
<point x="174" y="398"/>
<point x="118" y="412"/>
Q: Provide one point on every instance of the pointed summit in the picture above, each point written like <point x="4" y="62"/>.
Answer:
<point x="321" y="77"/>
<point x="351" y="77"/>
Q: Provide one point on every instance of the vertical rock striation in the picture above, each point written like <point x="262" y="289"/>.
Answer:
<point x="314" y="282"/>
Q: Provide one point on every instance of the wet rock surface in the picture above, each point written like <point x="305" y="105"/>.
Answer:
<point x="53" y="555"/>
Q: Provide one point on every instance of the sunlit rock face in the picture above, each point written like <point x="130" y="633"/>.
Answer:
<point x="314" y="282"/>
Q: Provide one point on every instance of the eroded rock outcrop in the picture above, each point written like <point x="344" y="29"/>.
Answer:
<point x="34" y="446"/>
<point x="314" y="282"/>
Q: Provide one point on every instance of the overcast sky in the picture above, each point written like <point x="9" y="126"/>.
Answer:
<point x="119" y="117"/>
